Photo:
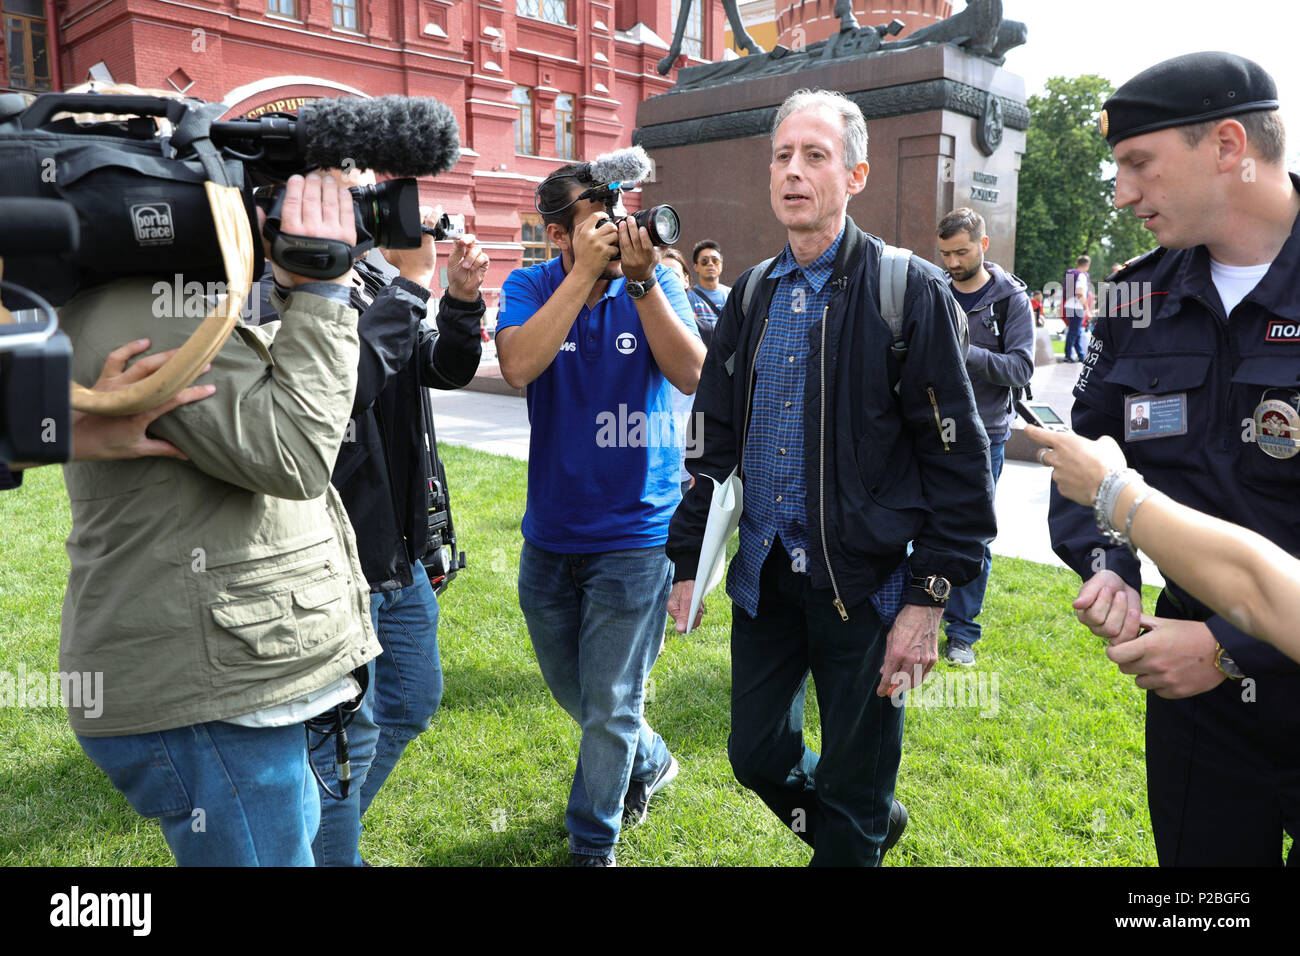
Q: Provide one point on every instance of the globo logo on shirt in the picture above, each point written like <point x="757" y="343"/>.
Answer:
<point x="626" y="343"/>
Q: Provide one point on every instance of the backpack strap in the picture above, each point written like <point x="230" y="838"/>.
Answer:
<point x="893" y="293"/>
<point x="751" y="286"/>
<point x="696" y="296"/>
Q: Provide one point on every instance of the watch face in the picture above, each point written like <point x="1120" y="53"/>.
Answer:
<point x="1229" y="667"/>
<point x="941" y="588"/>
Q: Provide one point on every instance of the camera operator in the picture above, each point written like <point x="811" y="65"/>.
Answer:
<point x="222" y="597"/>
<point x="594" y="336"/>
<point x="383" y="479"/>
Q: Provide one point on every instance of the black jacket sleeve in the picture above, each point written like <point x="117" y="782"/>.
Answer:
<point x="388" y="330"/>
<point x="951" y="446"/>
<point x="1014" y="367"/>
<point x="718" y="434"/>
<point x="1252" y="655"/>
<point x="1075" y="537"/>
<point x="449" y="355"/>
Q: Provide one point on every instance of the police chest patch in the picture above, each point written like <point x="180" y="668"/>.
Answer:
<point x="1281" y="330"/>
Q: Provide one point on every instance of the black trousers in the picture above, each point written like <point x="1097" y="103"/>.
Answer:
<point x="1223" y="772"/>
<point x="837" y="802"/>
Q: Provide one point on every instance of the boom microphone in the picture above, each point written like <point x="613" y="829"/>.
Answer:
<point x="630" y="165"/>
<point x="397" y="135"/>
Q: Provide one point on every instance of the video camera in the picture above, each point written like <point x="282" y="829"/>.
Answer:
<point x="141" y="199"/>
<point x="35" y="357"/>
<point x="609" y="175"/>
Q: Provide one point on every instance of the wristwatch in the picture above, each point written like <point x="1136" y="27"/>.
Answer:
<point x="1226" y="665"/>
<point x="935" y="588"/>
<point x="636" y="288"/>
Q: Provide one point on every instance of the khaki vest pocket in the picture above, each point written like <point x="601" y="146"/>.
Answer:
<point x="320" y="611"/>
<point x="262" y="629"/>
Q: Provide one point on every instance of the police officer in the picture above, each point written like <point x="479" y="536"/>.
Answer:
<point x="1201" y="332"/>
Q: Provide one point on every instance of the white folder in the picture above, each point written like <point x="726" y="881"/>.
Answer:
<point x="724" y="518"/>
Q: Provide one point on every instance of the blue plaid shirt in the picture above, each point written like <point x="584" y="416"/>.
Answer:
<point x="775" y="487"/>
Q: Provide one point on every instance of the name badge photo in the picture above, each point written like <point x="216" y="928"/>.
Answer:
<point x="1154" y="416"/>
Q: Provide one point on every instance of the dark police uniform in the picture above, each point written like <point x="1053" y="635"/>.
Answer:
<point x="1223" y="397"/>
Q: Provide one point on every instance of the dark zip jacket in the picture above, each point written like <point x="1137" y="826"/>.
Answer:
<point x="381" y="473"/>
<point x="997" y="363"/>
<point x="881" y="469"/>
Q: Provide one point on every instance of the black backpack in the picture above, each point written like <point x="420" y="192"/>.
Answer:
<point x="893" y="290"/>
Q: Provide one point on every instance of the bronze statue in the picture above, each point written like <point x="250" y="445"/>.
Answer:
<point x="979" y="29"/>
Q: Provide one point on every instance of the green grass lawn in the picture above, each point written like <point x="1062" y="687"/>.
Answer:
<point x="1052" y="775"/>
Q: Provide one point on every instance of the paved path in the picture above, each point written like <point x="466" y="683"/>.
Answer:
<point x="499" y="424"/>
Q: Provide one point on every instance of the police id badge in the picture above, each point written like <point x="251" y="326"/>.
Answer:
<point x="1277" y="424"/>
<point x="1154" y="416"/>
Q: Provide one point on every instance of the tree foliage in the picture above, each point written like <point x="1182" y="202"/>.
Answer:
<point x="1067" y="187"/>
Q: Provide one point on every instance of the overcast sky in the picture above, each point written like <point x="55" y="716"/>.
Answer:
<point x="1119" y="38"/>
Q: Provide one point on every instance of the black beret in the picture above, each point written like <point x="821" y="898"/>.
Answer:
<point x="1187" y="89"/>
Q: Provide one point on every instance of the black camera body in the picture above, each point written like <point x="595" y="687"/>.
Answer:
<point x="661" y="222"/>
<point x="387" y="215"/>
<point x="141" y="198"/>
<point x="141" y="206"/>
<point x="35" y="357"/>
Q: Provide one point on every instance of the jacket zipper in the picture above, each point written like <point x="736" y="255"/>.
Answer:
<point x="293" y="574"/>
<point x="821" y="472"/>
<point x="749" y="403"/>
<point x="934" y="403"/>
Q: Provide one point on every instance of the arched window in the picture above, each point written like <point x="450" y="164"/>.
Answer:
<point x="564" y="144"/>
<point x="552" y="11"/>
<point x="693" y="37"/>
<point x="345" y="14"/>
<point x="537" y="247"/>
<point x="26" y="45"/>
<point x="523" y="98"/>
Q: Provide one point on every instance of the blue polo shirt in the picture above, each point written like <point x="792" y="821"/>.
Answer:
<point x="605" y="448"/>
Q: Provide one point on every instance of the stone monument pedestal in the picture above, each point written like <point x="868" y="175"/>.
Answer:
<point x="945" y="127"/>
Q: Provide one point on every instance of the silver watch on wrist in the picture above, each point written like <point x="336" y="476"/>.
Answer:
<point x="637" y="288"/>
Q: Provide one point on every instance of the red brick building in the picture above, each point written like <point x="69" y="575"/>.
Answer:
<point x="532" y="82"/>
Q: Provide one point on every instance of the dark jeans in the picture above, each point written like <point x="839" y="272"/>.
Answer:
<point x="407" y="686"/>
<point x="1074" y="335"/>
<point x="837" y="803"/>
<point x="966" y="602"/>
<point x="597" y="623"/>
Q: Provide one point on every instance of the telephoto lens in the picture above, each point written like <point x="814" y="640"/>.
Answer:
<point x="661" y="222"/>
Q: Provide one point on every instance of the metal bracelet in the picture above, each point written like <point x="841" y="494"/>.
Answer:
<point x="1104" y="506"/>
<point x="1146" y="492"/>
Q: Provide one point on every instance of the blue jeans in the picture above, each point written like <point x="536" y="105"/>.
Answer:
<point x="1074" y="334"/>
<point x="338" y="843"/>
<point x="224" y="795"/>
<point x="966" y="602"/>
<point x="837" y="802"/>
<point x="597" y="624"/>
<point x="408" y="675"/>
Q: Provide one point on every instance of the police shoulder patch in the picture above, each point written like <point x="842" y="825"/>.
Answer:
<point x="1151" y="257"/>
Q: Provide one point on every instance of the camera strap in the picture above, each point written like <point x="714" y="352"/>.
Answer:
<point x="194" y="132"/>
